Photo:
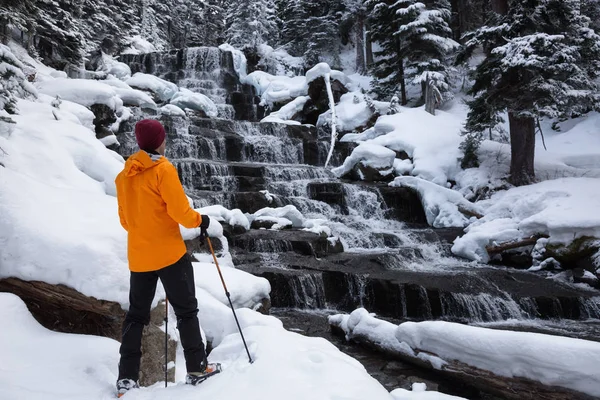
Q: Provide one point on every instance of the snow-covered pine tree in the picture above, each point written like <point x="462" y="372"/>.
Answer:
<point x="13" y="83"/>
<point x="541" y="62"/>
<point x="252" y="23"/>
<point x="425" y="43"/>
<point x="293" y="36"/>
<point x="388" y="70"/>
<point x="591" y="9"/>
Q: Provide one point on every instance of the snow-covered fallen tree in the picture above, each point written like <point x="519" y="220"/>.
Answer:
<point x="507" y="363"/>
<point x="561" y="209"/>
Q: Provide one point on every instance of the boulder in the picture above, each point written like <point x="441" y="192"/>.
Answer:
<point x="153" y="349"/>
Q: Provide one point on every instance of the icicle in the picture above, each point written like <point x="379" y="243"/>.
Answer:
<point x="333" y="117"/>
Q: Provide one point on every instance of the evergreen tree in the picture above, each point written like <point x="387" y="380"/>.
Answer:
<point x="13" y="83"/>
<point x="252" y="23"/>
<point x="542" y="60"/>
<point x="388" y="70"/>
<point x="425" y="43"/>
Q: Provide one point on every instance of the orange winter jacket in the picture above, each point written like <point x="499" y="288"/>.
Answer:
<point x="152" y="204"/>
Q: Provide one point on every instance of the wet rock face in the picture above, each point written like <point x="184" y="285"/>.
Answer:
<point x="206" y="70"/>
<point x="319" y="99"/>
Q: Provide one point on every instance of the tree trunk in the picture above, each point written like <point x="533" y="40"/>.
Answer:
<point x="360" y="45"/>
<point x="500" y="6"/>
<point x="455" y="22"/>
<point x="369" y="46"/>
<point x="404" y="100"/>
<point x="522" y="149"/>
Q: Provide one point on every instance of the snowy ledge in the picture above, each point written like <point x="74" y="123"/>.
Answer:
<point x="502" y="362"/>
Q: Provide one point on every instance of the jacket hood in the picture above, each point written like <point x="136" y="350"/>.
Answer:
<point x="141" y="161"/>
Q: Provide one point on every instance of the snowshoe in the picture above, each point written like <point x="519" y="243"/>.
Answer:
<point x="124" y="385"/>
<point x="196" y="378"/>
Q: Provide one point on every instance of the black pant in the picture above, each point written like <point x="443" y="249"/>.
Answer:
<point x="178" y="281"/>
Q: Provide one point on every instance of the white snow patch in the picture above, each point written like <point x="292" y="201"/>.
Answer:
<point x="277" y="89"/>
<point x="287" y="112"/>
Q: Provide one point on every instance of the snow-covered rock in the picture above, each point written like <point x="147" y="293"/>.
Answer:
<point x="164" y="90"/>
<point x="277" y="89"/>
<point x="195" y="101"/>
<point x="139" y="45"/>
<point x="172" y="110"/>
<point x="373" y="157"/>
<point x="286" y="113"/>
<point x="443" y="207"/>
<point x="82" y="91"/>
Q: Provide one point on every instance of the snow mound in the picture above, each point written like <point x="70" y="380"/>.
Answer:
<point x="369" y="155"/>
<point x="232" y="217"/>
<point x="196" y="101"/>
<point x="139" y="45"/>
<point x="430" y="141"/>
<point x="442" y="206"/>
<point x="163" y="89"/>
<point x="82" y="91"/>
<point x="114" y="67"/>
<point x="564" y="209"/>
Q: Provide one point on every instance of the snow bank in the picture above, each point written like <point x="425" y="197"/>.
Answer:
<point x="163" y="89"/>
<point x="369" y="155"/>
<point x="56" y="360"/>
<point x="287" y="365"/>
<point x="82" y="91"/>
<point x="196" y="101"/>
<point x="551" y="360"/>
<point x="322" y="70"/>
<point x="442" y="206"/>
<point x="565" y="209"/>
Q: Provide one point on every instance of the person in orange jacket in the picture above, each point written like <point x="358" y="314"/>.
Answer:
<point x="152" y="205"/>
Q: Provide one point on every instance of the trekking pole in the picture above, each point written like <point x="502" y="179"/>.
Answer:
<point x="166" y="337"/>
<point x="228" y="297"/>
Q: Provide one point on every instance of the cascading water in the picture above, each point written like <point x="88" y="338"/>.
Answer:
<point x="220" y="161"/>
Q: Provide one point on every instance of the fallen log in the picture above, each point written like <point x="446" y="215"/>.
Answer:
<point x="499" y="248"/>
<point x="514" y="388"/>
<point x="469" y="213"/>
<point x="64" y="309"/>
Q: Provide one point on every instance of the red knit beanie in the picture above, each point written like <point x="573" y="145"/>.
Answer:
<point x="149" y="134"/>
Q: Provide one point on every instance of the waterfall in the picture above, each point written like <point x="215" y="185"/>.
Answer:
<point x="590" y="308"/>
<point x="482" y="307"/>
<point x="308" y="291"/>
